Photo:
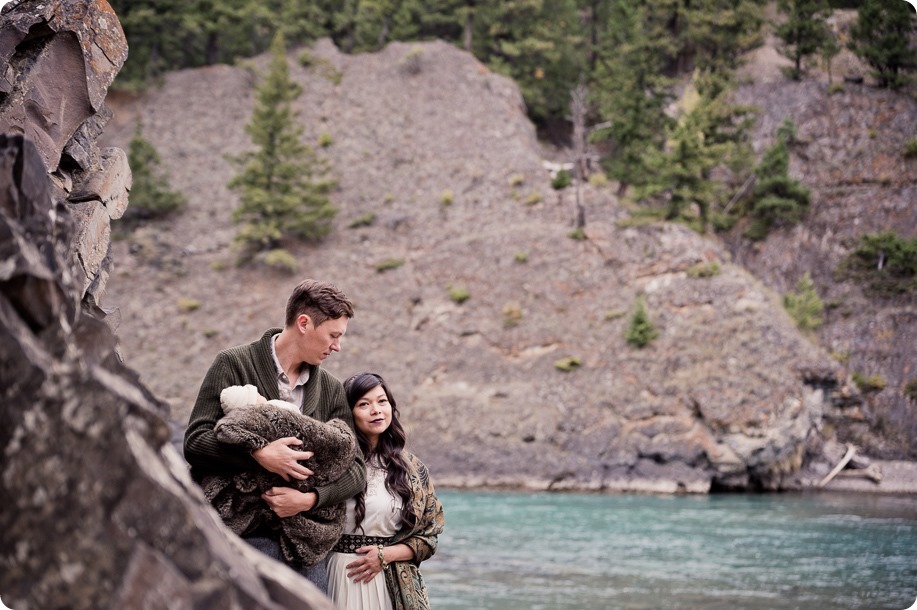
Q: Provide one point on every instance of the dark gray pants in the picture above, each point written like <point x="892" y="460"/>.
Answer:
<point x="317" y="574"/>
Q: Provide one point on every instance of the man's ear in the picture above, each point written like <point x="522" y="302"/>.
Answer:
<point x="303" y="322"/>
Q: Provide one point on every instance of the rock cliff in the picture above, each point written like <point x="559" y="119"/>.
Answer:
<point x="443" y="160"/>
<point x="98" y="511"/>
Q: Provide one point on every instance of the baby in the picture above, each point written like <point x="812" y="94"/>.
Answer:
<point x="250" y="421"/>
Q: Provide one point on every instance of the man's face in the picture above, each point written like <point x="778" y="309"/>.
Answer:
<point x="319" y="342"/>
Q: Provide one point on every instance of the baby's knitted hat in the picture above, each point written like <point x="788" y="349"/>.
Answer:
<point x="236" y="396"/>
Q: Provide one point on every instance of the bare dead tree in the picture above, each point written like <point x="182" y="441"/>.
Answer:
<point x="578" y="113"/>
<point x="469" y="24"/>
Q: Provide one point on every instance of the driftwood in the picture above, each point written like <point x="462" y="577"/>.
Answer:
<point x="871" y="472"/>
<point x="860" y="467"/>
<point x="851" y="451"/>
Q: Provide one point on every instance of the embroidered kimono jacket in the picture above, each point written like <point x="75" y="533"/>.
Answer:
<point x="403" y="578"/>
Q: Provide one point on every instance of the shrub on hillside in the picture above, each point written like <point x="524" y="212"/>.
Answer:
<point x="804" y="305"/>
<point x="150" y="196"/>
<point x="641" y="331"/>
<point x="561" y="180"/>
<point x="778" y="199"/>
<point x="885" y="263"/>
<point x="869" y="383"/>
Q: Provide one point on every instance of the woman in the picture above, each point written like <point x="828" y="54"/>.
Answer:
<point x="393" y="524"/>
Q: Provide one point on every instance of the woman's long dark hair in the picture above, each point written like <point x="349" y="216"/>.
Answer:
<point x="388" y="451"/>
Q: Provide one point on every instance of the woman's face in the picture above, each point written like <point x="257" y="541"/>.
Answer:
<point x="372" y="415"/>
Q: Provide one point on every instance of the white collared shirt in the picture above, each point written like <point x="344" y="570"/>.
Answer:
<point x="289" y="393"/>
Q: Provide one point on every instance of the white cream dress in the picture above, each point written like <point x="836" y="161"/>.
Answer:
<point x="383" y="515"/>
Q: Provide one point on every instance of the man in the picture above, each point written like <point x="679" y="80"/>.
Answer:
<point x="284" y="364"/>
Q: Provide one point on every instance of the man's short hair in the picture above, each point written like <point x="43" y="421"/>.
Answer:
<point x="318" y="300"/>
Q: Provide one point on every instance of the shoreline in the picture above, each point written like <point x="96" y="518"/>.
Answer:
<point x="898" y="478"/>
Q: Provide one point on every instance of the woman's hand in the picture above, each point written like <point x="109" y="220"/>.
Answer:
<point x="286" y="501"/>
<point x="365" y="567"/>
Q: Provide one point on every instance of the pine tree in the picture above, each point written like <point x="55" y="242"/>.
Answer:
<point x="160" y="35"/>
<point x="805" y="31"/>
<point x="630" y="89"/>
<point x="719" y="31"/>
<point x="451" y="20"/>
<point x="150" y="195"/>
<point x="282" y="184"/>
<point x="882" y="37"/>
<point x="535" y="42"/>
<point x="641" y="331"/>
<point x="375" y="20"/>
<point x="778" y="199"/>
<point x="711" y="133"/>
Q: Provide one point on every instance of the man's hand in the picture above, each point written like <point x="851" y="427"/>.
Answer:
<point x="286" y="501"/>
<point x="280" y="458"/>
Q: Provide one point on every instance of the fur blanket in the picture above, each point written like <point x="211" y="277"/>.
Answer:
<point x="304" y="538"/>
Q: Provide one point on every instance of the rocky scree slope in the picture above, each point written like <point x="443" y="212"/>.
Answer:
<point x="440" y="151"/>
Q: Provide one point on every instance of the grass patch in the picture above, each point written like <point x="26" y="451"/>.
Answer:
<point x="365" y="220"/>
<point x="910" y="388"/>
<point x="614" y="314"/>
<point x="871" y="383"/>
<point x="577" y="234"/>
<point x="458" y="294"/>
<point x="568" y="364"/>
<point x="512" y="315"/>
<point x="389" y="264"/>
<point x="702" y="270"/>
<point x="279" y="259"/>
<point x="598" y="180"/>
<point x="187" y="305"/>
<point x="910" y="149"/>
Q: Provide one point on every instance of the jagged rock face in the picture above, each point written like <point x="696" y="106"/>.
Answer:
<point x="98" y="511"/>
<point x="60" y="58"/>
<point x="850" y="153"/>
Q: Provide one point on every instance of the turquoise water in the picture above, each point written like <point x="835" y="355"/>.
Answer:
<point x="505" y="550"/>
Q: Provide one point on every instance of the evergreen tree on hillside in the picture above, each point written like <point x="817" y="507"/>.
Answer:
<point x="538" y="44"/>
<point x="304" y="22"/>
<point x="449" y="20"/>
<point x="711" y="133"/>
<point x="805" y="31"/>
<point x="150" y="195"/>
<point x="160" y="35"/>
<point x="883" y="36"/>
<point x="282" y="184"/>
<point x="709" y="34"/>
<point x="719" y="31"/>
<point x="778" y="199"/>
<point x="376" y="22"/>
<point x="630" y="89"/>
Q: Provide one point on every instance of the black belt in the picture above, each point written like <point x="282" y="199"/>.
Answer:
<point x="350" y="543"/>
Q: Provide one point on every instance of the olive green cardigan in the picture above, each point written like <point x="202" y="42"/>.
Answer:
<point x="323" y="399"/>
